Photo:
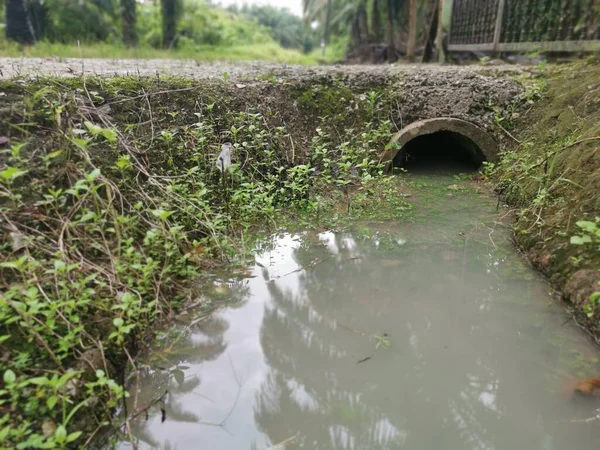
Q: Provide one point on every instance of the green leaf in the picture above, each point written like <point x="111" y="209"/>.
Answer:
<point x="161" y="213"/>
<point x="61" y="432"/>
<point x="106" y="133"/>
<point x="93" y="175"/>
<point x="109" y="135"/>
<point x="82" y="143"/>
<point x="9" y="377"/>
<point x="94" y="129"/>
<point x="587" y="226"/>
<point x="581" y="240"/>
<point x="87" y="216"/>
<point x="54" y="154"/>
<point x="73" y="436"/>
<point x="51" y="401"/>
<point x="10" y="173"/>
<point x="118" y="322"/>
<point x="179" y="376"/>
<point x="124" y="162"/>
<point x="4" y="433"/>
<point x="39" y="381"/>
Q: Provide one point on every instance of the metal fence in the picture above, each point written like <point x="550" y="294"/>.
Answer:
<point x="525" y="25"/>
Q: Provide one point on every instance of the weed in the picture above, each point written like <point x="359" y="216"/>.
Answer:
<point x="381" y="341"/>
<point x="590" y="233"/>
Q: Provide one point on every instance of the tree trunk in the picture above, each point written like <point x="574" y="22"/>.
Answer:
<point x="18" y="22"/>
<point x="169" y="22"/>
<point x="326" y="28"/>
<point x="439" y="39"/>
<point x="412" y="30"/>
<point x="376" y="22"/>
<point x="128" y="18"/>
<point x="363" y="25"/>
<point x="390" y="31"/>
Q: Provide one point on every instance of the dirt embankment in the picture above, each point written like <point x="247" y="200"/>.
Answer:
<point x="552" y="179"/>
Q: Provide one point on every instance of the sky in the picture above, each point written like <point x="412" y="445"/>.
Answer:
<point x="294" y="6"/>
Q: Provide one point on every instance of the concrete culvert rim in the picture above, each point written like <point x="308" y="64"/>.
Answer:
<point x="480" y="145"/>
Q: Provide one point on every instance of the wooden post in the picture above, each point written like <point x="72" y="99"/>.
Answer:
<point x="498" y="30"/>
<point x="412" y="30"/>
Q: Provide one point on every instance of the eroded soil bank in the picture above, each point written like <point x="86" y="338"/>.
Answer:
<point x="112" y="204"/>
<point x="550" y="176"/>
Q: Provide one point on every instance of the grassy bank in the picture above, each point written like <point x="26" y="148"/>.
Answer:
<point x="270" y="51"/>
<point x="112" y="204"/>
<point x="551" y="177"/>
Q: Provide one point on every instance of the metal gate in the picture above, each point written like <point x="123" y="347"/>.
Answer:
<point x="525" y="25"/>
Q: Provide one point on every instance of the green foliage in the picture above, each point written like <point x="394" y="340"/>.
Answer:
<point x="110" y="220"/>
<point x="93" y="29"/>
<point x="289" y="30"/>
<point x="590" y="233"/>
<point x="589" y="236"/>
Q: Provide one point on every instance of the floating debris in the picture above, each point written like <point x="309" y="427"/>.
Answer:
<point x="589" y="387"/>
<point x="282" y="444"/>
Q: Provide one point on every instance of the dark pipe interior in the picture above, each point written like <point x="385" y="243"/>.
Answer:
<point x="442" y="151"/>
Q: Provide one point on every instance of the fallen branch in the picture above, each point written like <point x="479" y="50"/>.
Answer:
<point x="282" y="444"/>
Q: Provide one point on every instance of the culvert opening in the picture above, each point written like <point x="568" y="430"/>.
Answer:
<point x="446" y="151"/>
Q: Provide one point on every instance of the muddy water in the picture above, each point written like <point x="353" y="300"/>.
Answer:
<point x="425" y="333"/>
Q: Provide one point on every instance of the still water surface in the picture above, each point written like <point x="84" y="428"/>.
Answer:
<point x="428" y="333"/>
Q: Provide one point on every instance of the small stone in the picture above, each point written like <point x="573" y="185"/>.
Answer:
<point x="48" y="428"/>
<point x="453" y="187"/>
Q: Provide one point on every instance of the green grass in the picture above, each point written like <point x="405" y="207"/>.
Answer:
<point x="256" y="52"/>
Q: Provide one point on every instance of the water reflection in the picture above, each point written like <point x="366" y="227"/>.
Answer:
<point x="475" y="359"/>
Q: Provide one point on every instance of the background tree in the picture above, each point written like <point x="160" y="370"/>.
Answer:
<point x="390" y="31"/>
<point x="286" y="28"/>
<point x="19" y="27"/>
<point x="412" y="30"/>
<point x="169" y="23"/>
<point x="129" y="19"/>
<point x="376" y="23"/>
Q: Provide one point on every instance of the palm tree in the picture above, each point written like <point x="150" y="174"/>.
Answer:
<point x="128" y="18"/>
